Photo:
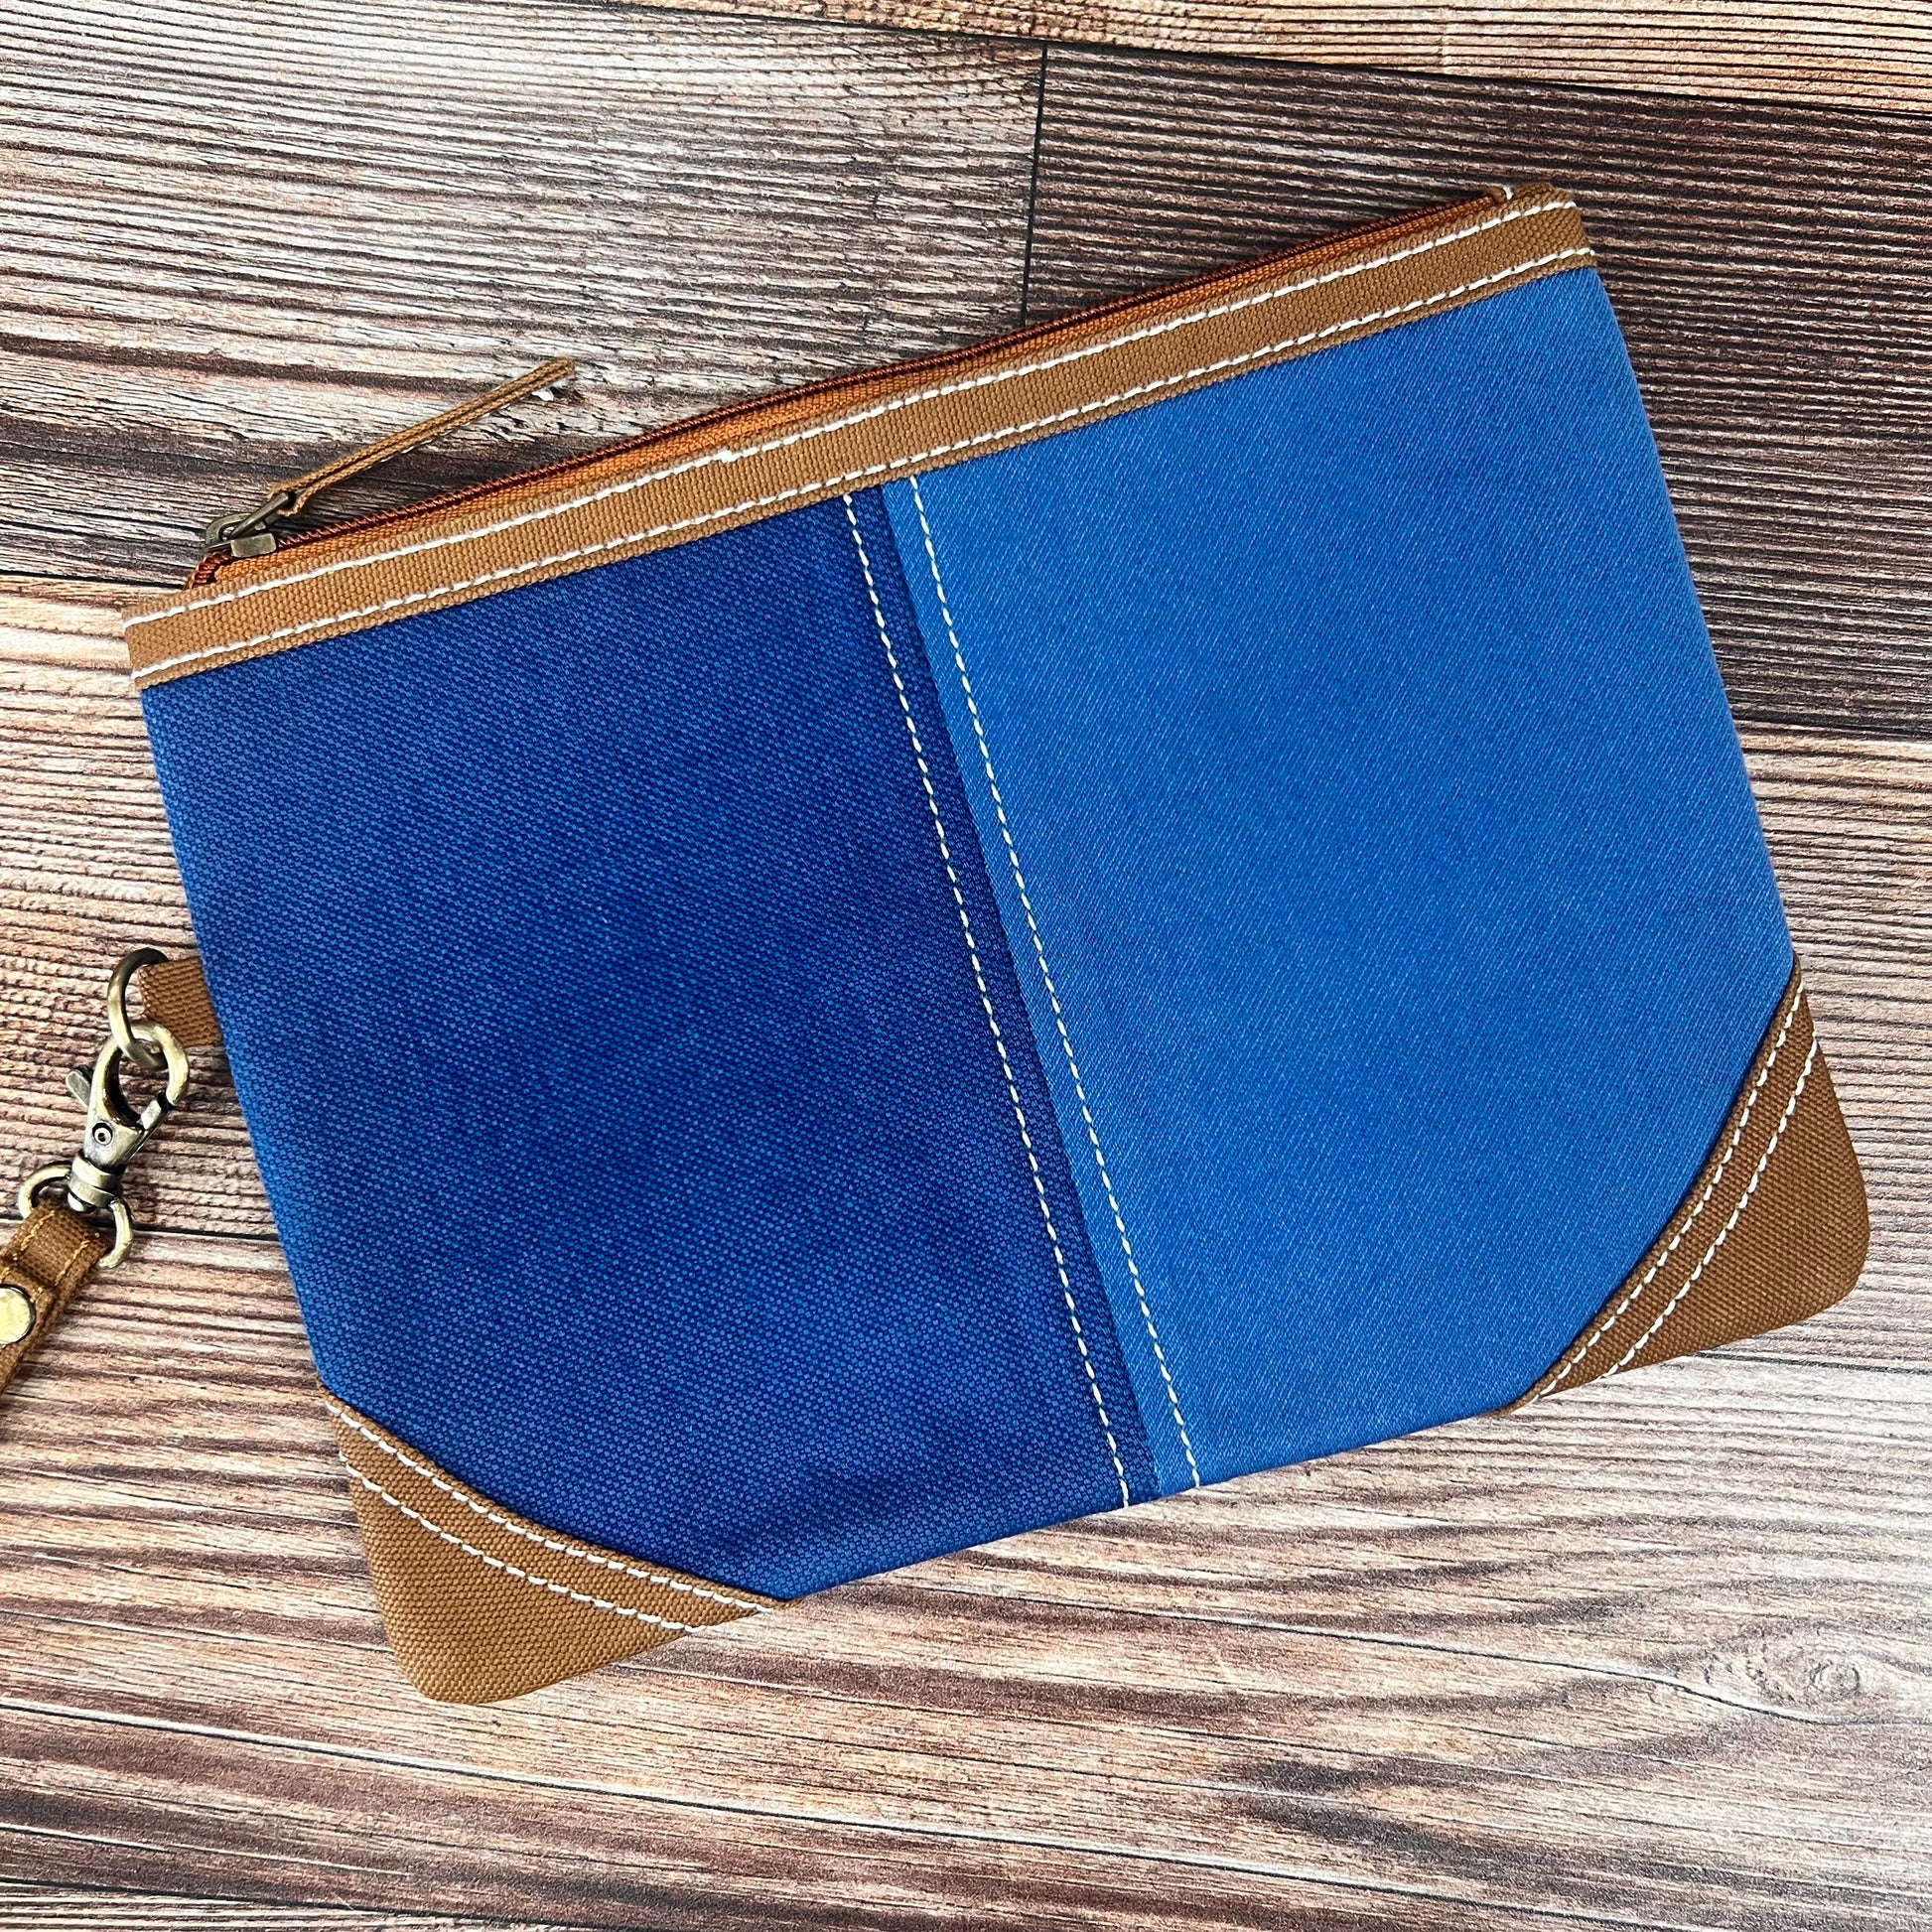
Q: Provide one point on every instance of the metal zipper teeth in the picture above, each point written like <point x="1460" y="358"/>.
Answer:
<point x="826" y="388"/>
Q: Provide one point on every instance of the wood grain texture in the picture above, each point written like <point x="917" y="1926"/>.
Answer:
<point x="1856" y="55"/>
<point x="1772" y="270"/>
<point x="86" y="871"/>
<point x="1653" y="1654"/>
<point x="1850" y="826"/>
<point x="236" y="242"/>
<point x="72" y="1909"/>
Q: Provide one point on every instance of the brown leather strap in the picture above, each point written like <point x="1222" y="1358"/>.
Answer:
<point x="51" y="1254"/>
<point x="302" y="489"/>
<point x="54" y="1250"/>
<point x="175" y="994"/>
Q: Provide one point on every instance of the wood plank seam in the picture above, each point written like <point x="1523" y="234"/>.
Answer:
<point x="1033" y="189"/>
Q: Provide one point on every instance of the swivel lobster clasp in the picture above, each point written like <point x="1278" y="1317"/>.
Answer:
<point x="115" y="1133"/>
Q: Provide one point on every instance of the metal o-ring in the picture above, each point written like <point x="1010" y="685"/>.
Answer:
<point x="35" y="1182"/>
<point x="123" y="1234"/>
<point x="126" y="1033"/>
<point x="44" y="1177"/>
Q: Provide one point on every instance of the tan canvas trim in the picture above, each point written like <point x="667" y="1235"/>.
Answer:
<point x="481" y="1604"/>
<point x="42" y="1268"/>
<point x="794" y="451"/>
<point x="1772" y="1230"/>
<point x="173" y="992"/>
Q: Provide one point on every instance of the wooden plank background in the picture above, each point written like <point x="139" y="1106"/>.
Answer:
<point x="1654" y="1654"/>
<point x="1769" y="265"/>
<point x="1859" y="54"/>
<point x="240" y="239"/>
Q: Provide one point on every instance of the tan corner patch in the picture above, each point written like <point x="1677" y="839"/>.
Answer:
<point x="791" y="450"/>
<point x="1773" y="1229"/>
<point x="479" y="1604"/>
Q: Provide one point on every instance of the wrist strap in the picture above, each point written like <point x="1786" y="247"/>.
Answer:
<point x="51" y="1254"/>
<point x="175" y="995"/>
<point x="73" y="1218"/>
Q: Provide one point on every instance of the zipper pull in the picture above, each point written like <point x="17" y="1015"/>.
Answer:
<point x="249" y="533"/>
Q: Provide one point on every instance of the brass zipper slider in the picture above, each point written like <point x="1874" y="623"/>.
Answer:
<point x="249" y="533"/>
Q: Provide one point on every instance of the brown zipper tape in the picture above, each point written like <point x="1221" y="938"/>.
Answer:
<point x="713" y="423"/>
<point x="789" y="451"/>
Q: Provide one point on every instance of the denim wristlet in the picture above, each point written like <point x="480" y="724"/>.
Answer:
<point x="1164" y="896"/>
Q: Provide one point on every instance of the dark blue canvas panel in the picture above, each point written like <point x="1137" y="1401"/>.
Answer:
<point x="1388" y="843"/>
<point x="623" y="1084"/>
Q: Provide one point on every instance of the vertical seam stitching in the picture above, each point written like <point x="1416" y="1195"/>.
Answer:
<point x="1053" y="992"/>
<point x="986" y="1000"/>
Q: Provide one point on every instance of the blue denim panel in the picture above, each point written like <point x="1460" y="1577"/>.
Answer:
<point x="618" y="1072"/>
<point x="1390" y="847"/>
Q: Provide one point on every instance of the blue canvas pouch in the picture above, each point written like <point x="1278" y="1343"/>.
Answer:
<point x="1164" y="897"/>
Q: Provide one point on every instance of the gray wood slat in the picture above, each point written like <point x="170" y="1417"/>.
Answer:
<point x="240" y="240"/>
<point x="1844" y="53"/>
<point x="72" y="1909"/>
